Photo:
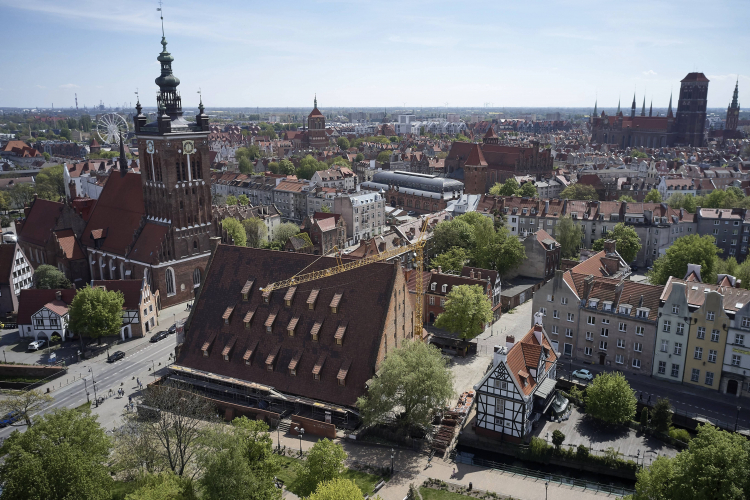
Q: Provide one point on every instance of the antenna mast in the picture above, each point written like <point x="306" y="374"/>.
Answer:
<point x="161" y="16"/>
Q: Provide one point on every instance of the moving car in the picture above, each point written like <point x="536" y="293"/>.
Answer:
<point x="159" y="336"/>
<point x="172" y="329"/>
<point x="583" y="374"/>
<point x="36" y="345"/>
<point x="115" y="356"/>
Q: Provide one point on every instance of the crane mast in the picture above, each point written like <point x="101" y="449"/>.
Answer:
<point x="417" y="247"/>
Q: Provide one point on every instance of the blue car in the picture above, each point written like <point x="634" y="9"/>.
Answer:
<point x="9" y="419"/>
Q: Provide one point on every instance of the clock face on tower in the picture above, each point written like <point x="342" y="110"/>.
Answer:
<point x="188" y="147"/>
<point x="150" y="147"/>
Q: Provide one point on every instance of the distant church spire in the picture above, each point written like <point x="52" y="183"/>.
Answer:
<point x="618" y="107"/>
<point x="315" y="102"/>
<point x="643" y="109"/>
<point x="651" y="108"/>
<point x="735" y="103"/>
<point x="123" y="160"/>
<point x="595" y="103"/>
<point x="632" y="107"/>
<point x="669" y="110"/>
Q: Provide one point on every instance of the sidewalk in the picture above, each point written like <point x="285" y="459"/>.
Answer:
<point x="411" y="467"/>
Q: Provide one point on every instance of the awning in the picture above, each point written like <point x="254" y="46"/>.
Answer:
<point x="546" y="388"/>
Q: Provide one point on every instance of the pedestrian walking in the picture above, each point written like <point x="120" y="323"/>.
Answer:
<point x="138" y="382"/>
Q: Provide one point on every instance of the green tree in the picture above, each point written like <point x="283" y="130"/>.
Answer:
<point x="240" y="462"/>
<point x="610" y="399"/>
<point x="528" y="190"/>
<point x="452" y="233"/>
<point x="4" y="201"/>
<point x="579" y="191"/>
<point x="413" y="381"/>
<point x="50" y="183"/>
<point x="462" y="138"/>
<point x="558" y="438"/>
<point x="661" y="415"/>
<point x="467" y="310"/>
<point x="325" y="209"/>
<point x="452" y="260"/>
<point x="273" y="167"/>
<point x="243" y="200"/>
<point x="21" y="194"/>
<point x="690" y="249"/>
<point x="644" y="418"/>
<point x="359" y="157"/>
<point x="308" y="166"/>
<point x="343" y="142"/>
<point x="46" y="156"/>
<point x="570" y="236"/>
<point x="63" y="456"/>
<point x="234" y="230"/>
<point x="96" y="313"/>
<point x="324" y="462"/>
<point x="508" y="188"/>
<point x="285" y="231"/>
<point x="250" y="153"/>
<point x="653" y="196"/>
<point x="628" y="242"/>
<point x="231" y="199"/>
<point x="49" y="277"/>
<point x="657" y="481"/>
<point x="245" y="166"/>
<point x="627" y="199"/>
<point x="338" y="489"/>
<point x="164" y="486"/>
<point x="384" y="157"/>
<point x="506" y="252"/>
<point x="25" y="403"/>
<point x="286" y="167"/>
<point x="256" y="232"/>
<point x="686" y="201"/>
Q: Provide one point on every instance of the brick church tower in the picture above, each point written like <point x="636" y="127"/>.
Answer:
<point x="316" y="123"/>
<point x="733" y="111"/>
<point x="491" y="137"/>
<point x="691" y="110"/>
<point x="475" y="171"/>
<point x="175" y="172"/>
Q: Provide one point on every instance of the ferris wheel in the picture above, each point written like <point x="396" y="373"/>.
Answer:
<point x="109" y="127"/>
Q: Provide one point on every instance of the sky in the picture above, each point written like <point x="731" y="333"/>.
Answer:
<point x="413" y="53"/>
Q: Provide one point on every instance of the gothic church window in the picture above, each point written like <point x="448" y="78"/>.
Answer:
<point x="169" y="278"/>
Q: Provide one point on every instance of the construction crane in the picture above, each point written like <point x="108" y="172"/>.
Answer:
<point x="417" y="247"/>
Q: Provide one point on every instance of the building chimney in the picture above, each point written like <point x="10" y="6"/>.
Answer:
<point x="538" y="333"/>
<point x="500" y="354"/>
<point x="471" y="273"/>
<point x="546" y="206"/>
<point x="479" y="275"/>
<point x="440" y="270"/>
<point x="58" y="295"/>
<point x="610" y="246"/>
<point x="214" y="242"/>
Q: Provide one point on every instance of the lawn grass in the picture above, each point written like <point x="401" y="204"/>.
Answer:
<point x="290" y="466"/>
<point x="84" y="406"/>
<point x="431" y="494"/>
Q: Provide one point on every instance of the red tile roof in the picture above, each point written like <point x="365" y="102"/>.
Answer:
<point x="131" y="290"/>
<point x="476" y="158"/>
<point x="146" y="248"/>
<point x="31" y="300"/>
<point x="7" y="258"/>
<point x="69" y="244"/>
<point x="39" y="223"/>
<point x="525" y="356"/>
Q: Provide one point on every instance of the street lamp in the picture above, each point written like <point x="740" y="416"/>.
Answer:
<point x="546" y="485"/>
<point x="300" y="431"/>
<point x="93" y="382"/>
<point x="737" y="420"/>
<point x="393" y="455"/>
<point x="86" y="388"/>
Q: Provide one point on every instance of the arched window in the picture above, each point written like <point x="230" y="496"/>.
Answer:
<point x="195" y="244"/>
<point x="197" y="173"/>
<point x="169" y="278"/>
<point x="157" y="169"/>
<point x="197" y="277"/>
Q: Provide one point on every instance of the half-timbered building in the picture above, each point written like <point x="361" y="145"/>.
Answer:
<point x="520" y="386"/>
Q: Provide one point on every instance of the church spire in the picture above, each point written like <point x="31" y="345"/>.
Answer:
<point x="315" y="102"/>
<point x="123" y="160"/>
<point x="735" y="104"/>
<point x="618" y="107"/>
<point x="643" y="109"/>
<point x="651" y="108"/>
<point x="595" y="103"/>
<point x="669" y="110"/>
<point x="168" y="97"/>
<point x="632" y="107"/>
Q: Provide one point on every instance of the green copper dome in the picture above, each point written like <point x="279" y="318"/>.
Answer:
<point x="166" y="81"/>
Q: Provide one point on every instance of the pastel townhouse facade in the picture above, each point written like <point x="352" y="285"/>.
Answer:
<point x="672" y="333"/>
<point x="707" y="339"/>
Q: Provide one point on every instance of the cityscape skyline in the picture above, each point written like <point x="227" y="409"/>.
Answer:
<point x="324" y="49"/>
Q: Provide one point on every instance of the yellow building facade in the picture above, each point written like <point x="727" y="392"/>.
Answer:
<point x="706" y="340"/>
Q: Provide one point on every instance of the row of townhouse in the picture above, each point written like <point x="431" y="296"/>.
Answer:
<point x="656" y="224"/>
<point x="686" y="331"/>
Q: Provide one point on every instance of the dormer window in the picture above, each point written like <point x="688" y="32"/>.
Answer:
<point x="246" y="290"/>
<point x="335" y="302"/>
<point x="339" y="336"/>
<point x="594" y="303"/>
<point x="248" y="318"/>
<point x="315" y="331"/>
<point x="445" y="288"/>
<point x="642" y="313"/>
<point x="267" y="296"/>
<point x="227" y="315"/>
<point x="607" y="306"/>
<point x="294" y="363"/>
<point x="289" y="296"/>
<point x="292" y="325"/>
<point x="625" y="309"/>
<point x="432" y="286"/>
<point x="269" y="322"/>
<point x="312" y="298"/>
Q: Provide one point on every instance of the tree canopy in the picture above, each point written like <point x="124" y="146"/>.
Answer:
<point x="96" y="312"/>
<point x="384" y="157"/>
<point x="467" y="310"/>
<point x="610" y="399"/>
<point x="413" y="382"/>
<point x="164" y="486"/>
<point x="628" y="242"/>
<point x="50" y="183"/>
<point x="570" y="236"/>
<point x="653" y="196"/>
<point x="234" y="229"/>
<point x="49" y="278"/>
<point x="337" y="489"/>
<point x="452" y="260"/>
<point x="231" y="199"/>
<point x="256" y="232"/>
<point x="63" y="456"/>
<point x="25" y="403"/>
<point x="243" y="200"/>
<point x="579" y="191"/>
<point x="284" y="231"/>
<point x="690" y="249"/>
<point x="343" y="142"/>
<point x="324" y="462"/>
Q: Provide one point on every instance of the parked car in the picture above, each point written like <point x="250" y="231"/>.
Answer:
<point x="9" y="237"/>
<point x="583" y="374"/>
<point x="9" y="419"/>
<point x="115" y="356"/>
<point x="36" y="345"/>
<point x="172" y="329"/>
<point x="159" y="336"/>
